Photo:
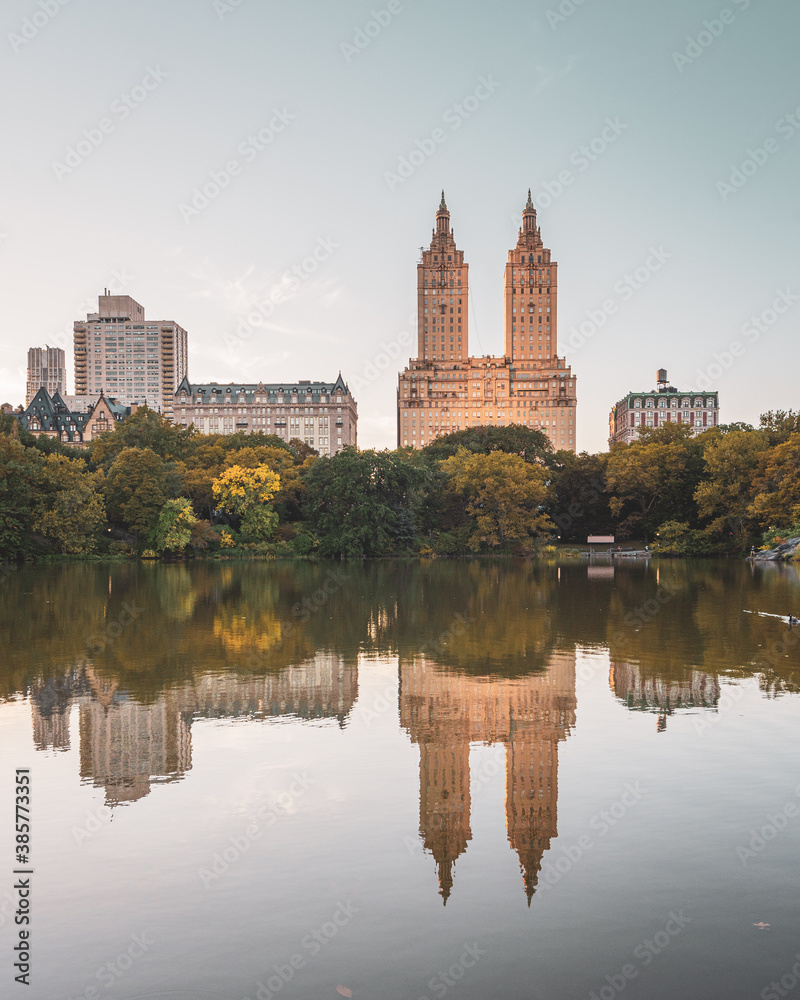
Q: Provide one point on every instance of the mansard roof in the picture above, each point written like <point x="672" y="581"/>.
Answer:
<point x="215" y="390"/>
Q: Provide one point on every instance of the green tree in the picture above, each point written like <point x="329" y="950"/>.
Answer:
<point x="504" y="496"/>
<point x="363" y="504"/>
<point x="515" y="439"/>
<point x="175" y="526"/>
<point x="654" y="479"/>
<point x="144" y="429"/>
<point x="19" y="483"/>
<point x="69" y="509"/>
<point x="578" y="502"/>
<point x="726" y="491"/>
<point x="136" y="490"/>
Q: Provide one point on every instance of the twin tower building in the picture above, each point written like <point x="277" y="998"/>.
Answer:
<point x="445" y="389"/>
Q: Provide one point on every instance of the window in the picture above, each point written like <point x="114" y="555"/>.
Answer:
<point x="637" y="403"/>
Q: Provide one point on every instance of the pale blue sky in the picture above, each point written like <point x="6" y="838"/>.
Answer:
<point x="219" y="72"/>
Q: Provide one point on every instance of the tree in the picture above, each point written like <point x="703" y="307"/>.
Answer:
<point x="777" y="486"/>
<point x="144" y="429"/>
<point x="136" y="489"/>
<point x="246" y="493"/>
<point x="726" y="491"/>
<point x="175" y="526"/>
<point x="779" y="424"/>
<point x="578" y="502"/>
<point x="654" y="479"/>
<point x="363" y="504"/>
<point x="504" y="495"/>
<point x="19" y="481"/>
<point x="69" y="509"/>
<point x="532" y="446"/>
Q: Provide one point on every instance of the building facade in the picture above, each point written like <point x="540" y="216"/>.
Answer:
<point x="322" y="414"/>
<point x="46" y="370"/>
<point x="138" y="361"/>
<point x="663" y="405"/>
<point x="50" y="416"/>
<point x="445" y="389"/>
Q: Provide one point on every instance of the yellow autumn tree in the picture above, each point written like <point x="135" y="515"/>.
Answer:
<point x="247" y="494"/>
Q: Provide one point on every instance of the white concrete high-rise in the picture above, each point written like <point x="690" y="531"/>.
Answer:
<point x="135" y="360"/>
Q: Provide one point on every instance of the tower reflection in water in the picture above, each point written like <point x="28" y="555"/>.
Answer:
<point x="126" y="746"/>
<point x="444" y="711"/>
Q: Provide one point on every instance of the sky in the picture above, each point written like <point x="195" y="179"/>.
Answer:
<point x="208" y="156"/>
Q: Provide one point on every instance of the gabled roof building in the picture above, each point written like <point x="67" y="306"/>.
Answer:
<point x="50" y="416"/>
<point x="322" y="414"/>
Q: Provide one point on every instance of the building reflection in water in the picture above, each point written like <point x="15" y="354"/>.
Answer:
<point x="444" y="711"/>
<point x="126" y="746"/>
<point x="662" y="695"/>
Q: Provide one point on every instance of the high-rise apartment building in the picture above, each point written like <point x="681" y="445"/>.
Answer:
<point x="46" y="370"/>
<point x="135" y="360"/>
<point x="445" y="389"/>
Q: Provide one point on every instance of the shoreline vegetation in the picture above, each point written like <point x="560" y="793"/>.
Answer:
<point x="154" y="491"/>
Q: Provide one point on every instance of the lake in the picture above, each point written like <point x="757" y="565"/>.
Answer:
<point x="402" y="780"/>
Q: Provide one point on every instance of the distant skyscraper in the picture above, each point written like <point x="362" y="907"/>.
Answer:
<point x="445" y="389"/>
<point x="46" y="370"/>
<point x="135" y="360"/>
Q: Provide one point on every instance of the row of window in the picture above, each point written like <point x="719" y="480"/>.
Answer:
<point x="686" y="403"/>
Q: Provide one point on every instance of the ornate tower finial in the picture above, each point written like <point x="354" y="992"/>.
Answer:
<point x="530" y="200"/>
<point x="443" y="204"/>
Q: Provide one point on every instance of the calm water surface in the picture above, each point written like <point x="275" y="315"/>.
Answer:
<point x="404" y="781"/>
